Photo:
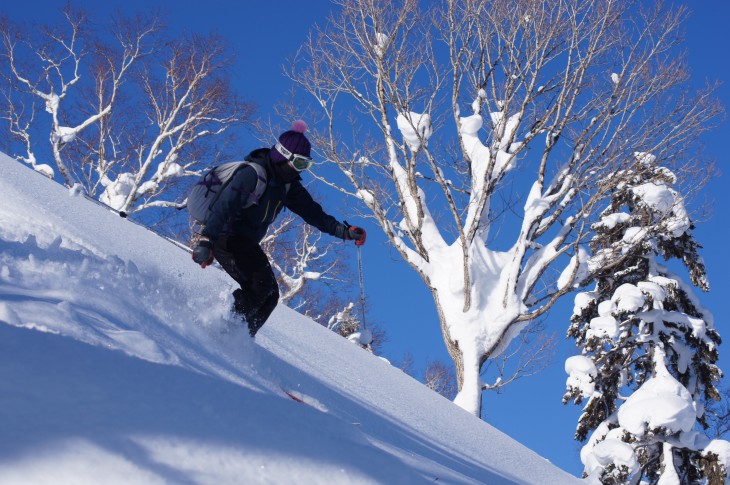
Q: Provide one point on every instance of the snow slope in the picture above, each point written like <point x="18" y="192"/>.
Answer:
<point x="120" y="364"/>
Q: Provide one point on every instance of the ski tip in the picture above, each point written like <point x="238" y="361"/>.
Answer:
<point x="293" y="396"/>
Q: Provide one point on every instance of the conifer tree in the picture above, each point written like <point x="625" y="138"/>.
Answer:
<point x="649" y="350"/>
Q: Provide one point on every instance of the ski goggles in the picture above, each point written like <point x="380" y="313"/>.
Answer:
<point x="297" y="162"/>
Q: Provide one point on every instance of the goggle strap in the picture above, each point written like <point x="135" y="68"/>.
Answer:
<point x="283" y="150"/>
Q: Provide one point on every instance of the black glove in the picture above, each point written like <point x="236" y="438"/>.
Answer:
<point x="203" y="252"/>
<point x="355" y="233"/>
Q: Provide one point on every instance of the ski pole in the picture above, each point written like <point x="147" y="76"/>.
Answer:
<point x="362" y="285"/>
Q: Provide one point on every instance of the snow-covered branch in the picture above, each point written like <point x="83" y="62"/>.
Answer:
<point x="300" y="259"/>
<point x="193" y="104"/>
<point x="494" y="208"/>
<point x="78" y="75"/>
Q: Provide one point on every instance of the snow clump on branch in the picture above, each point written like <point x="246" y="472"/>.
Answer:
<point x="415" y="128"/>
<point x="381" y="42"/>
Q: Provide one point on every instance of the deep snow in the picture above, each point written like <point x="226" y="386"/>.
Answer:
<point x="120" y="364"/>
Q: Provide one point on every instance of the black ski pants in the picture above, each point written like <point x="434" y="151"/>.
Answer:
<point x="246" y="262"/>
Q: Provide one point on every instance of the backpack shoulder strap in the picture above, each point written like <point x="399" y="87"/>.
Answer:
<point x="261" y="181"/>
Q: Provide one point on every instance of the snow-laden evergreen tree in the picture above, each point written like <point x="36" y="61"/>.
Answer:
<point x="649" y="350"/>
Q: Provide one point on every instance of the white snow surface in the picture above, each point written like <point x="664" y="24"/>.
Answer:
<point x="117" y="191"/>
<point x="603" y="327"/>
<point x="64" y="134"/>
<point x="661" y="402"/>
<point x="118" y="359"/>
<point x="628" y="298"/>
<point x="667" y="202"/>
<point x="722" y="449"/>
<point x="607" y="452"/>
<point x="581" y="374"/>
<point x="612" y="220"/>
<point x="645" y="158"/>
<point x="657" y="196"/>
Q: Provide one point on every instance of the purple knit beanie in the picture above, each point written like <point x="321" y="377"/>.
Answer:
<point x="294" y="141"/>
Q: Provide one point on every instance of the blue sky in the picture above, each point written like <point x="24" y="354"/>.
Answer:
<point x="265" y="34"/>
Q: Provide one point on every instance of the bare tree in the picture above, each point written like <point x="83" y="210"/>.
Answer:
<point x="441" y="378"/>
<point x="528" y="354"/>
<point x="298" y="255"/>
<point x="47" y="69"/>
<point x="129" y="114"/>
<point x="193" y="104"/>
<point x="312" y="277"/>
<point x="407" y="365"/>
<point x="557" y="96"/>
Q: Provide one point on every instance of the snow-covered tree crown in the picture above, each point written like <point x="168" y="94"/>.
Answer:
<point x="478" y="136"/>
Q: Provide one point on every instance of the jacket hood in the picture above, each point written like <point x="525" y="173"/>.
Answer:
<point x="282" y="172"/>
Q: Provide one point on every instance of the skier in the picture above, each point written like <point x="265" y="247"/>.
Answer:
<point x="234" y="228"/>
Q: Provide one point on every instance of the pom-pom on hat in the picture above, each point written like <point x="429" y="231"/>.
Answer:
<point x="294" y="141"/>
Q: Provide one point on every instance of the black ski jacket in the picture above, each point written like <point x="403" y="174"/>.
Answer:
<point x="227" y="215"/>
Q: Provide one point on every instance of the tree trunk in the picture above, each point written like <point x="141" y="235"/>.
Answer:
<point x="467" y="367"/>
<point x="451" y="346"/>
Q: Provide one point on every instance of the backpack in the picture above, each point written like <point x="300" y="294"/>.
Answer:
<point x="204" y="193"/>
